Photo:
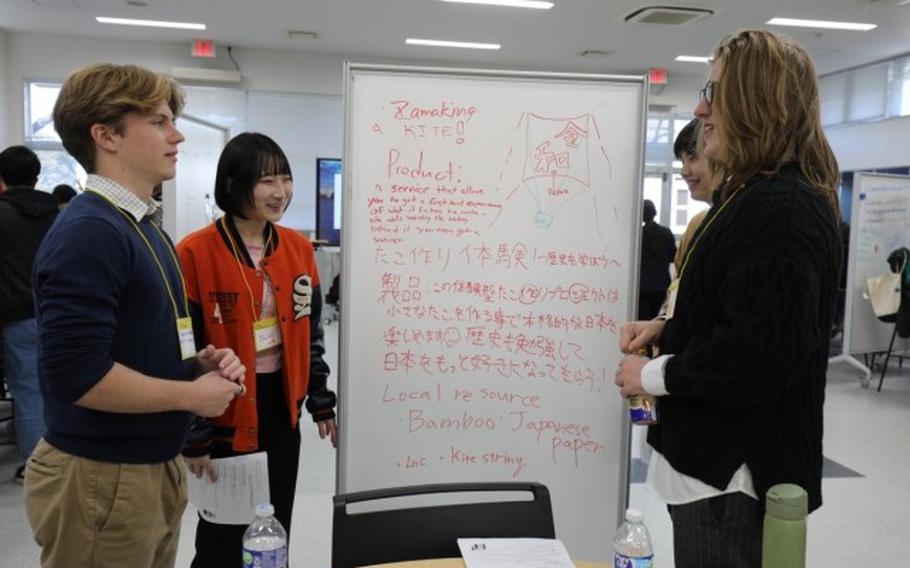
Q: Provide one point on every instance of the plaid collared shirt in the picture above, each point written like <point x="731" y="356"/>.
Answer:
<point x="120" y="196"/>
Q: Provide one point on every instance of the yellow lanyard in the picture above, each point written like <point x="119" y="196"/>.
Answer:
<point x="164" y="277"/>
<point x="704" y="230"/>
<point x="236" y="252"/>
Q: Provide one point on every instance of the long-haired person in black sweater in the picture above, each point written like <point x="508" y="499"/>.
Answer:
<point x="741" y="376"/>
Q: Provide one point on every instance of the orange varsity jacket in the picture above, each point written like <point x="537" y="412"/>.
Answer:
<point x="223" y="316"/>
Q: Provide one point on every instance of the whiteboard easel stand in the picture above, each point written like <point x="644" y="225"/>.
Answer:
<point x="853" y="362"/>
<point x="863" y="333"/>
<point x="845" y="356"/>
<point x="345" y="362"/>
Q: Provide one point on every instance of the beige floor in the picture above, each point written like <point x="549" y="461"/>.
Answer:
<point x="863" y="522"/>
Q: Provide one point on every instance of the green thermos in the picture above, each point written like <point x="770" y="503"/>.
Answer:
<point x="784" y="538"/>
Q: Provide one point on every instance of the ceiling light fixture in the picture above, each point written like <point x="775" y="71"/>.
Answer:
<point x="533" y="4"/>
<point x="443" y="43"/>
<point x="668" y="16"/>
<point x="794" y="22"/>
<point x="149" y="23"/>
<point x="693" y="59"/>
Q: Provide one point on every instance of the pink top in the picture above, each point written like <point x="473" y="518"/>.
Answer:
<point x="267" y="361"/>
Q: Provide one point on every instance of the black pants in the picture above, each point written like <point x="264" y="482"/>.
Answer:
<point x="720" y="532"/>
<point x="221" y="546"/>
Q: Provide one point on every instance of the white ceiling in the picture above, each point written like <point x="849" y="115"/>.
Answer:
<point x="536" y="39"/>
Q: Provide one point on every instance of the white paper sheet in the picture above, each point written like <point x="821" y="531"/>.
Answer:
<point x="514" y="552"/>
<point x="243" y="483"/>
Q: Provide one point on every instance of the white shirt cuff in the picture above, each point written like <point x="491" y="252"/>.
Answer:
<point x="652" y="376"/>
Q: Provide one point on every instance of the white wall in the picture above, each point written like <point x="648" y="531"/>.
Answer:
<point x="41" y="56"/>
<point x="306" y="128"/>
<point x="681" y="91"/>
<point x="52" y="57"/>
<point x="4" y="81"/>
<point x="881" y="144"/>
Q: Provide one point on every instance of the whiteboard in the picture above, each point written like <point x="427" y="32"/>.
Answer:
<point x="489" y="258"/>
<point x="879" y="224"/>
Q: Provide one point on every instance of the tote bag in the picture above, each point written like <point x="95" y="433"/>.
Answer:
<point x="884" y="290"/>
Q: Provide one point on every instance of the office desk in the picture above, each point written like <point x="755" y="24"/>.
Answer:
<point x="459" y="563"/>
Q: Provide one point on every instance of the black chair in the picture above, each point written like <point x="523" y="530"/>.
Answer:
<point x="333" y="299"/>
<point x="899" y="262"/>
<point x="416" y="532"/>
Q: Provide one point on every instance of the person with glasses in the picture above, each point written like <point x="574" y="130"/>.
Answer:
<point x="117" y="362"/>
<point x="706" y="93"/>
<point x="741" y="374"/>
<point x="255" y="286"/>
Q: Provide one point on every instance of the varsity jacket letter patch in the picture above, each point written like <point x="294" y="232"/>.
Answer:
<point x="303" y="296"/>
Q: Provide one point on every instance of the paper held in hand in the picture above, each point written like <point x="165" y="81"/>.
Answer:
<point x="243" y="483"/>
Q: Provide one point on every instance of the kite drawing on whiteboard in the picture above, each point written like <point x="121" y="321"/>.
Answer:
<point x="555" y="167"/>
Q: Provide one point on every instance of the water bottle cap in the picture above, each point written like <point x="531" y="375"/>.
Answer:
<point x="634" y="515"/>
<point x="787" y="501"/>
<point x="265" y="510"/>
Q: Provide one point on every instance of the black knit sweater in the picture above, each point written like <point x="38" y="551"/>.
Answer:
<point x="749" y="340"/>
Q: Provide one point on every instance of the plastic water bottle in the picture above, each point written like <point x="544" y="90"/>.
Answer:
<point x="632" y="543"/>
<point x="265" y="543"/>
<point x="784" y="537"/>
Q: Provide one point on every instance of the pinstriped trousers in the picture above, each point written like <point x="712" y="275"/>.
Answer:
<point x="720" y="532"/>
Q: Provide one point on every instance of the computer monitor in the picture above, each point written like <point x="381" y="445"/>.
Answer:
<point x="328" y="201"/>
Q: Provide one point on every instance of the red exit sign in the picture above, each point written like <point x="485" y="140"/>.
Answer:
<point x="658" y="76"/>
<point x="203" y="48"/>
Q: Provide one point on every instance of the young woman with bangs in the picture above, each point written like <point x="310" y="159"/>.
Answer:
<point x="253" y="284"/>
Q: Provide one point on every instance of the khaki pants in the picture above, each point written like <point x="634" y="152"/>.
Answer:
<point x="92" y="514"/>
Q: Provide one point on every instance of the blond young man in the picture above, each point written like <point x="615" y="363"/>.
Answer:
<point x="117" y="365"/>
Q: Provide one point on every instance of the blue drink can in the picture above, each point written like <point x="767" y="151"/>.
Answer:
<point x="642" y="410"/>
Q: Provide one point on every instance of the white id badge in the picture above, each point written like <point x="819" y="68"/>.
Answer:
<point x="671" y="298"/>
<point x="266" y="334"/>
<point x="186" y="339"/>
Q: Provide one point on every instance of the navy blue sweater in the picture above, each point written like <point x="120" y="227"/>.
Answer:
<point x="100" y="298"/>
